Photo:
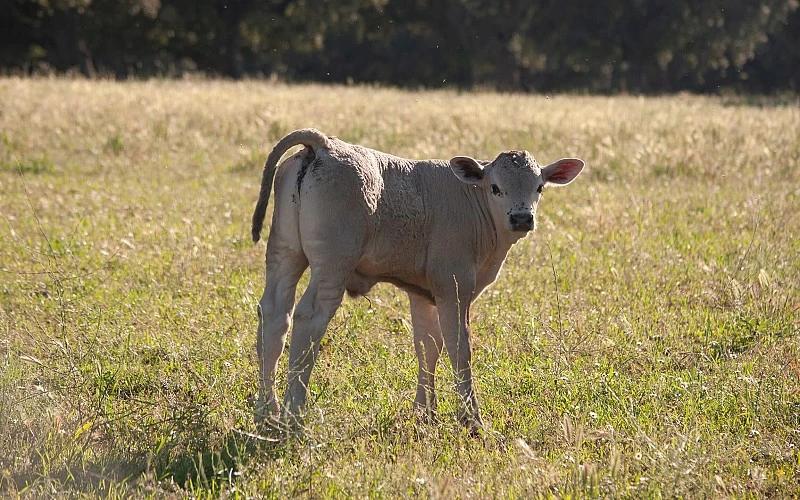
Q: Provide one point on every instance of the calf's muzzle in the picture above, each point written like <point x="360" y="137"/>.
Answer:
<point x="521" y="221"/>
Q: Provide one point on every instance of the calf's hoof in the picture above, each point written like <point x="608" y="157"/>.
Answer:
<point x="293" y="424"/>
<point x="426" y="413"/>
<point x="473" y="425"/>
<point x="265" y="412"/>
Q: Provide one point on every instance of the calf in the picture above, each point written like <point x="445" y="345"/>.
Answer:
<point x="438" y="230"/>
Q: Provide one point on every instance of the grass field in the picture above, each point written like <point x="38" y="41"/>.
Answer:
<point x="644" y="342"/>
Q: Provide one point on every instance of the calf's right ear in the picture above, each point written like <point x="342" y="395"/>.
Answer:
<point x="562" y="172"/>
<point x="467" y="169"/>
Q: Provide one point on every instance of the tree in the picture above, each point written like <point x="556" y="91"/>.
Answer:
<point x="548" y="45"/>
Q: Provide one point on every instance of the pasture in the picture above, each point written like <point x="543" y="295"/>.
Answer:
<point x="643" y="342"/>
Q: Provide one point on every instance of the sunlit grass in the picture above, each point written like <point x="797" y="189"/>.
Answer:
<point x="642" y="342"/>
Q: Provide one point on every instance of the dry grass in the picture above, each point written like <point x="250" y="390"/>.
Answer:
<point x="665" y="364"/>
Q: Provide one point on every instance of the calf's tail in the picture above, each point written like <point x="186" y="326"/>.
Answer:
<point x="309" y="137"/>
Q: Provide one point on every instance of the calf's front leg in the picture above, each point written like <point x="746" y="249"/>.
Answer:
<point x="454" y="321"/>
<point x="428" y="344"/>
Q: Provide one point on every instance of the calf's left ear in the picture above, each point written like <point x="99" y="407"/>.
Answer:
<point x="467" y="169"/>
<point x="562" y="172"/>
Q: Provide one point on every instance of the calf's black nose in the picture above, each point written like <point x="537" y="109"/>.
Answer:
<point x="521" y="221"/>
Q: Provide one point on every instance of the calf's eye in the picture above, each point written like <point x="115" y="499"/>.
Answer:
<point x="495" y="190"/>
<point x="539" y="189"/>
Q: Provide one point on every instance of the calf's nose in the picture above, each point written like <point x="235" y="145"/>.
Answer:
<point x="521" y="221"/>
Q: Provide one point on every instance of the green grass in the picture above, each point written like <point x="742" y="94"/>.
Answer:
<point x="644" y="342"/>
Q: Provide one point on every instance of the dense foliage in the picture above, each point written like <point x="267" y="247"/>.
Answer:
<point x="602" y="46"/>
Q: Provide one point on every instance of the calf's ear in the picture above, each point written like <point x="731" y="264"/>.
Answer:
<point x="562" y="172"/>
<point x="467" y="169"/>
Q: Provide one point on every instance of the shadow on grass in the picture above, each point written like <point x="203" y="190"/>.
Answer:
<point x="176" y="467"/>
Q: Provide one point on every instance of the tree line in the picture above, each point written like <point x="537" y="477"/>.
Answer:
<point x="547" y="45"/>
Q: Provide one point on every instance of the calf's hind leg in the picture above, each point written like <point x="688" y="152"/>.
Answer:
<point x="314" y="311"/>
<point x="284" y="269"/>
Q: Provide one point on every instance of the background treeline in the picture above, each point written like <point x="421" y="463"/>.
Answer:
<point x="545" y="45"/>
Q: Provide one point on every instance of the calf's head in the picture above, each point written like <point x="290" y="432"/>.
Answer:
<point x="513" y="184"/>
